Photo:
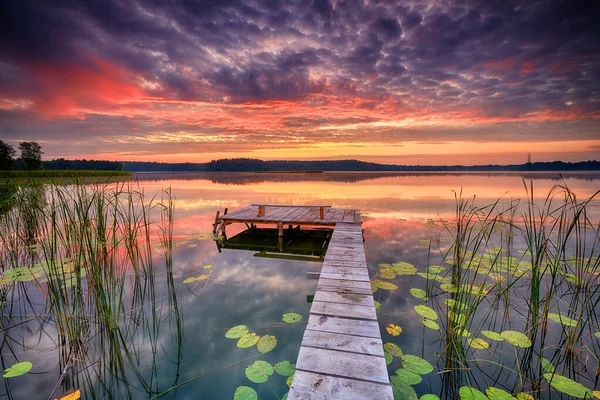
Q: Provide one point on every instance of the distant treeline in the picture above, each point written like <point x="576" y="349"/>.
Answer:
<point x="254" y="165"/>
<point x="79" y="165"/>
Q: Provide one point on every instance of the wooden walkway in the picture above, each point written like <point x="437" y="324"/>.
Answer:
<point x="341" y="355"/>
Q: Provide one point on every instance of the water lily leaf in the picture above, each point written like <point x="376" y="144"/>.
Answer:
<point x="516" y="339"/>
<point x="435" y="269"/>
<point x="597" y="334"/>
<point x="463" y="332"/>
<point x="17" y="369"/>
<point x="431" y="276"/>
<point x="377" y="305"/>
<point x="478" y="343"/>
<point x="404" y="268"/>
<point x="387" y="273"/>
<point x="449" y="288"/>
<point x="418" y="293"/>
<point x="493" y="335"/>
<point x="596" y="394"/>
<point x="291" y="317"/>
<point x="236" y="332"/>
<point x="416" y="364"/>
<point x="383" y="285"/>
<point x="248" y="340"/>
<point x="431" y="324"/>
<point x="393" y="349"/>
<point x="561" y="319"/>
<point x="393" y="330"/>
<point x="425" y="312"/>
<point x="192" y="245"/>
<point x="388" y="358"/>
<point x="408" y="377"/>
<point x="423" y="240"/>
<point x="469" y="393"/>
<point x="195" y="279"/>
<point x="429" y="397"/>
<point x="285" y="368"/>
<point x="547" y="365"/>
<point x="5" y="280"/>
<point x="289" y="380"/>
<point x="384" y="265"/>
<point x="568" y="386"/>
<point x="209" y="266"/>
<point x="266" y="343"/>
<point x="259" y="371"/>
<point x="524" y="396"/>
<point x="498" y="394"/>
<point x="245" y="393"/>
<point x="402" y="390"/>
<point x="373" y="287"/>
<point x="459" y="318"/>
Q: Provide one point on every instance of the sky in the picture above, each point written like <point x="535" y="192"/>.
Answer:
<point x="407" y="82"/>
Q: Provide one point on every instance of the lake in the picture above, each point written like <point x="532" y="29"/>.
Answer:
<point x="168" y="338"/>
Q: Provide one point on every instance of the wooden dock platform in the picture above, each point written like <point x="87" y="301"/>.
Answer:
<point x="341" y="354"/>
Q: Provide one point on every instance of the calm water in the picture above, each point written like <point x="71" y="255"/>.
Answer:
<point x="400" y="215"/>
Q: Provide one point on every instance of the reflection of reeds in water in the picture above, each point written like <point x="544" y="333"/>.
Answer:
<point x="556" y="274"/>
<point x="91" y="252"/>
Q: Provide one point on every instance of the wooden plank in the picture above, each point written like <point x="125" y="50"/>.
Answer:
<point x="342" y="364"/>
<point x="338" y="289"/>
<point x="343" y="310"/>
<point x="345" y="271"/>
<point x="345" y="326"/>
<point x="344" y="284"/>
<point x="348" y="216"/>
<point x="344" y="298"/>
<point x="312" y="386"/>
<point x="341" y="342"/>
<point x="345" y="277"/>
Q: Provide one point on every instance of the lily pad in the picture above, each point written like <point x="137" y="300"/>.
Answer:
<point x="416" y="364"/>
<point x="408" y="377"/>
<point x="236" y="332"/>
<point x="435" y="269"/>
<point x="498" y="394"/>
<point x="524" y="396"/>
<point x="404" y="268"/>
<point x="192" y="245"/>
<point x="426" y="312"/>
<point x="387" y="273"/>
<point x="266" y="343"/>
<point x="561" y="319"/>
<point x="429" y="397"/>
<point x="431" y="324"/>
<point x="402" y="390"/>
<point x="377" y="305"/>
<point x="463" y="332"/>
<point x="248" y="340"/>
<point x="493" y="335"/>
<point x="383" y="285"/>
<point x="259" y="371"/>
<point x="17" y="369"/>
<point x="597" y="334"/>
<point x="547" y="365"/>
<point x="5" y="280"/>
<point x="418" y="293"/>
<point x="384" y="265"/>
<point x="478" y="343"/>
<point x="469" y="393"/>
<point x="388" y="358"/>
<point x="568" y="386"/>
<point x="289" y="380"/>
<point x="245" y="393"/>
<point x="285" y="368"/>
<point x="393" y="349"/>
<point x="516" y="339"/>
<point x="208" y="266"/>
<point x="393" y="330"/>
<point x="195" y="279"/>
<point x="430" y="276"/>
<point x="449" y="287"/>
<point x="291" y="317"/>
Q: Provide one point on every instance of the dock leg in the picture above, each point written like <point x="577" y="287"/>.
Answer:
<point x="280" y="227"/>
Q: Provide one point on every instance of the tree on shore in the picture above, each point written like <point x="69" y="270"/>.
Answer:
<point x="7" y="156"/>
<point x="31" y="155"/>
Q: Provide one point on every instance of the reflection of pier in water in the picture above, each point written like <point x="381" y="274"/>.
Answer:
<point x="341" y="355"/>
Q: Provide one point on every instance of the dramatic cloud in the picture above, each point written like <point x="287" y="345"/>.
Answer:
<point x="195" y="80"/>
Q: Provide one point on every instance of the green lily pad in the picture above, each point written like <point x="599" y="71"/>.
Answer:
<point x="192" y="245"/>
<point x="207" y="266"/>
<point x="597" y="334"/>
<point x="429" y="397"/>
<point x="498" y="394"/>
<point x="289" y="380"/>
<point x="524" y="396"/>
<point x="285" y="368"/>
<point x="388" y="358"/>
<point x="195" y="279"/>
<point x="478" y="343"/>
<point x="561" y="319"/>
<point x="493" y="335"/>
<point x="384" y="265"/>
<point x="568" y="386"/>
<point x="408" y="377"/>
<point x="17" y="369"/>
<point x="387" y="273"/>
<point x="291" y="317"/>
<point x="245" y="393"/>
<point x="259" y="371"/>
<point x="426" y="312"/>
<point x="383" y="285"/>
<point x="516" y="339"/>
<point x="266" y="343"/>
<point x="248" y="340"/>
<point x="416" y="364"/>
<point x="463" y="332"/>
<point x="236" y="332"/>
<point x="418" y="293"/>
<point x="469" y="393"/>
<point x="377" y="305"/>
<point x="547" y="365"/>
<point x="435" y="269"/>
<point x="449" y="287"/>
<point x="404" y="268"/>
<point x="402" y="390"/>
<point x="393" y="349"/>
<point x="5" y="280"/>
<point x="431" y="324"/>
<point x="430" y="277"/>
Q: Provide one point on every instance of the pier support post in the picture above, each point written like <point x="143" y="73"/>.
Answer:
<point x="280" y="227"/>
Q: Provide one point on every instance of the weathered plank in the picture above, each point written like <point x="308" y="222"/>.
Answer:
<point x="344" y="298"/>
<point x="344" y="283"/>
<point x="313" y="386"/>
<point x="331" y="275"/>
<point x="344" y="325"/>
<point x="343" y="310"/>
<point x="341" y="342"/>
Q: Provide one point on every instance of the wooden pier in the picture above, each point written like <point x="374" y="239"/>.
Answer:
<point x="341" y="355"/>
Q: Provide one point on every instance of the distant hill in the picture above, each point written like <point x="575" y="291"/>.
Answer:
<point x="255" y="165"/>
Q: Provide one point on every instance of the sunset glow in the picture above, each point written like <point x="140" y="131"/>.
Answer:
<point x="424" y="82"/>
